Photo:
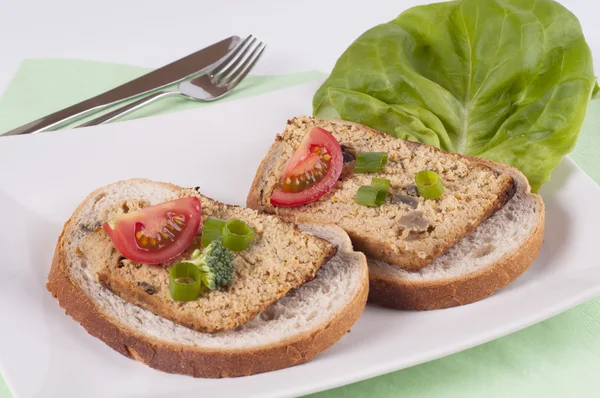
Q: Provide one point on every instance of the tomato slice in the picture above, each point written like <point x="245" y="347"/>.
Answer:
<point x="156" y="234"/>
<point x="312" y="170"/>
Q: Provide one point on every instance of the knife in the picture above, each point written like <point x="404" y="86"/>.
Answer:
<point x="159" y="78"/>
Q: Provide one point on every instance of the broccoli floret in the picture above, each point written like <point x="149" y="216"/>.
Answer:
<point x="215" y="262"/>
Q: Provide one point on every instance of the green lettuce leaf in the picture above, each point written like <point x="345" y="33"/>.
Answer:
<point x="506" y="80"/>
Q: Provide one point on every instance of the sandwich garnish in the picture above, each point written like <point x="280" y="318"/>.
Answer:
<point x="371" y="195"/>
<point x="212" y="230"/>
<point x="185" y="282"/>
<point x="375" y="194"/>
<point x="156" y="234"/>
<point x="429" y="184"/>
<point x="370" y="162"/>
<point x="236" y="235"/>
<point x="319" y="162"/>
<point x="383" y="182"/>
<point x="311" y="172"/>
<point x="207" y="270"/>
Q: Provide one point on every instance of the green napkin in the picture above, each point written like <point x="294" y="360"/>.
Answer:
<point x="43" y="86"/>
<point x="559" y="357"/>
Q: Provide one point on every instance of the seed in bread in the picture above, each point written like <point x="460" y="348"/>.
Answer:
<point x="473" y="192"/>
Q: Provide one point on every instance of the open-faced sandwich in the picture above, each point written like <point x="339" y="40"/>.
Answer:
<point x="186" y="284"/>
<point x="439" y="229"/>
<point x="189" y="285"/>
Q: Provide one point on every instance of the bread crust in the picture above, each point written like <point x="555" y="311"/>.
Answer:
<point x="254" y="198"/>
<point x="370" y="245"/>
<point x="189" y="360"/>
<point x="445" y="293"/>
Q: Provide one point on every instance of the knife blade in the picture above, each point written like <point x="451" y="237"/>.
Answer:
<point x="157" y="79"/>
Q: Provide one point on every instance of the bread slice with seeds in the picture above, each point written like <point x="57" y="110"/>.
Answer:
<point x="304" y="321"/>
<point x="407" y="231"/>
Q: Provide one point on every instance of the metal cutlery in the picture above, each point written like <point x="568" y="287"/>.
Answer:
<point x="172" y="73"/>
<point x="219" y="80"/>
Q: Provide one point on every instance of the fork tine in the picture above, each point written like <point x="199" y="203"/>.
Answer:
<point x="217" y="68"/>
<point x="225" y="69"/>
<point x="240" y="73"/>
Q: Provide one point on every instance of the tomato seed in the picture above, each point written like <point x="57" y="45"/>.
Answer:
<point x="296" y="183"/>
<point x="175" y="227"/>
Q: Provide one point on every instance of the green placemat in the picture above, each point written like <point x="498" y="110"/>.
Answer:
<point x="559" y="357"/>
<point x="44" y="86"/>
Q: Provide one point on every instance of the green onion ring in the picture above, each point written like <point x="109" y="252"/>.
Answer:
<point x="371" y="195"/>
<point x="429" y="184"/>
<point x="237" y="235"/>
<point x="369" y="162"/>
<point x="383" y="182"/>
<point x="184" y="291"/>
<point x="211" y="230"/>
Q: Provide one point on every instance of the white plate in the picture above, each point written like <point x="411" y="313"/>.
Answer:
<point x="44" y="177"/>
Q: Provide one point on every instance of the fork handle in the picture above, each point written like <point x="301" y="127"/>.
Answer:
<point x="127" y="109"/>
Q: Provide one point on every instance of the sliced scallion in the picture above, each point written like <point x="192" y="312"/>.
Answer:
<point x="185" y="282"/>
<point x="370" y="162"/>
<point x="371" y="195"/>
<point x="429" y="184"/>
<point x="237" y="235"/>
<point x="212" y="230"/>
<point x="383" y="182"/>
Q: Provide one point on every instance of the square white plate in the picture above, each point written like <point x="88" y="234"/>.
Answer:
<point x="44" y="177"/>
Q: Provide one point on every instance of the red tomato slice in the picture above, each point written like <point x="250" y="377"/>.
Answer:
<point x="312" y="170"/>
<point x="158" y="233"/>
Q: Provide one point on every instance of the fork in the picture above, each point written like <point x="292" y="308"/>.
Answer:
<point x="216" y="83"/>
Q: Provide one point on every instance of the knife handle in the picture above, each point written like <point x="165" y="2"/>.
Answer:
<point x="60" y="118"/>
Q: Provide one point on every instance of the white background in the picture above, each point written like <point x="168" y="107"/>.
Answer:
<point x="301" y="34"/>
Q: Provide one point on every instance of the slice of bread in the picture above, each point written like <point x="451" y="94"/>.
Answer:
<point x="280" y="258"/>
<point x="501" y="249"/>
<point x="473" y="192"/>
<point x="290" y="331"/>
